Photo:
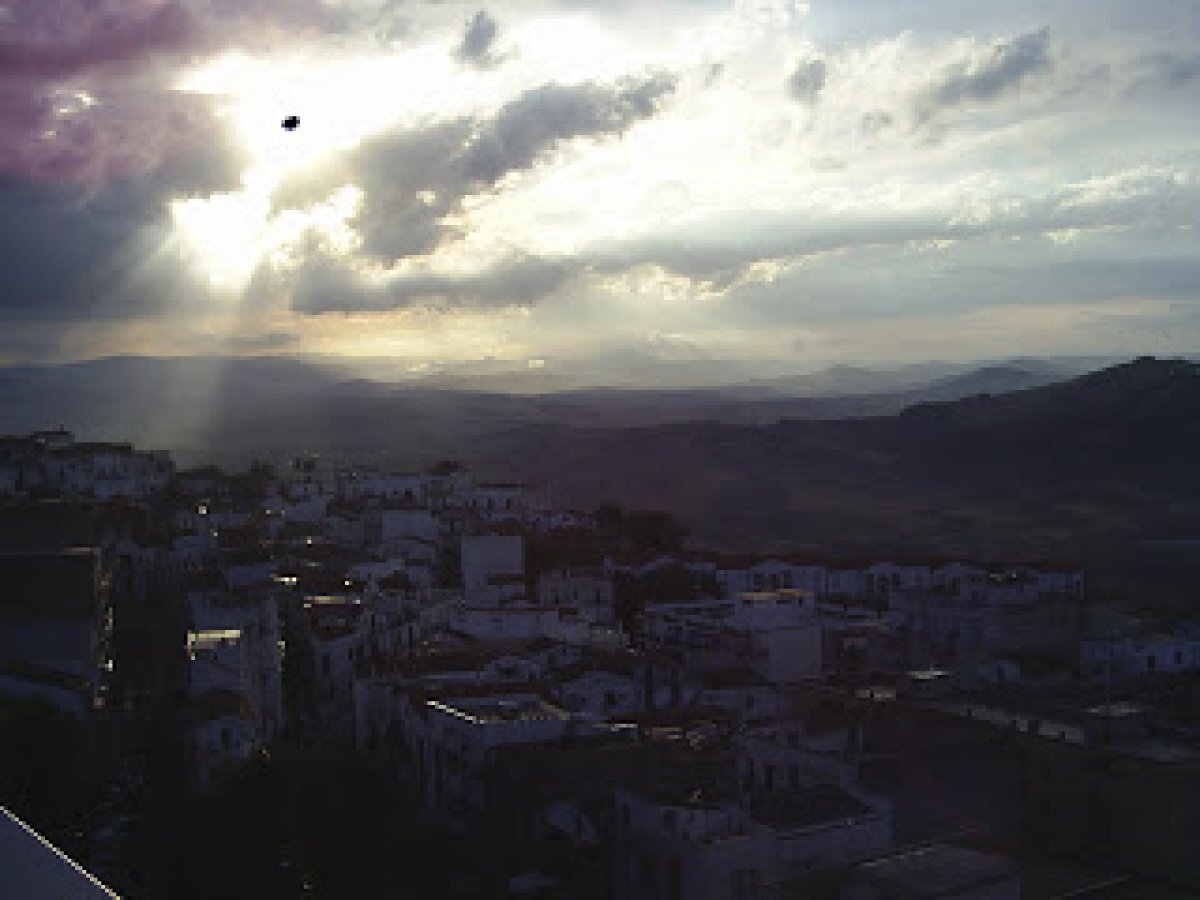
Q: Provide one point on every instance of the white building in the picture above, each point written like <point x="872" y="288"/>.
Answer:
<point x="772" y="575"/>
<point x="224" y="733"/>
<point x="520" y="622"/>
<point x="493" y="569"/>
<point x="104" y="471"/>
<point x="499" y="502"/>
<point x="234" y="644"/>
<point x="390" y="525"/>
<point x="776" y="633"/>
<point x="1132" y="656"/>
<point x="406" y="487"/>
<point x="602" y="694"/>
<point x="786" y="754"/>
<point x="450" y="740"/>
<point x="674" y="842"/>
<point x="971" y="615"/>
<point x="588" y="590"/>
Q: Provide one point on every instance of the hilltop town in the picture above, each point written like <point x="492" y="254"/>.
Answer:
<point x="571" y="703"/>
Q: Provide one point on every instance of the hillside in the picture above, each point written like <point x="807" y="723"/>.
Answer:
<point x="1109" y="456"/>
<point x="1082" y="469"/>
<point x="229" y="409"/>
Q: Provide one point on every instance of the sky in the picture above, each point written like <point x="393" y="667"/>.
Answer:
<point x="755" y="180"/>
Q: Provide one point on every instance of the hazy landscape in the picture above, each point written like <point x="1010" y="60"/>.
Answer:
<point x="559" y="450"/>
<point x="1024" y="458"/>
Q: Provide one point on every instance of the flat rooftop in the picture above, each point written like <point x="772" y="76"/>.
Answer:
<point x="797" y="808"/>
<point x="937" y="871"/>
<point x="495" y="710"/>
<point x="33" y="867"/>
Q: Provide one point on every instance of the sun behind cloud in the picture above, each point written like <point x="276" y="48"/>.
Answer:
<point x="340" y="103"/>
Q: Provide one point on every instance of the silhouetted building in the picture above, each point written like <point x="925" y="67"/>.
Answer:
<point x="1109" y="792"/>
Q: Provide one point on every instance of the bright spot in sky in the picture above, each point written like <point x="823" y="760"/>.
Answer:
<point x="340" y="102"/>
<point x="229" y="235"/>
<point x="224" y="233"/>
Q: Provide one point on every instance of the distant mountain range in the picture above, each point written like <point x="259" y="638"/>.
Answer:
<point x="653" y="370"/>
<point x="1024" y="457"/>
<point x="1109" y="456"/>
<point x="229" y="409"/>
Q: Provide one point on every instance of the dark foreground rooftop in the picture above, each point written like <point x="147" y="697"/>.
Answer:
<point x="33" y="868"/>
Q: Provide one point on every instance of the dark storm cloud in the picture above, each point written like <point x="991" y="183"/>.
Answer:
<point x="52" y="39"/>
<point x="105" y="252"/>
<point x="66" y="257"/>
<point x="807" y="80"/>
<point x="121" y="54"/>
<point x="48" y="40"/>
<point x="479" y="40"/>
<point x="124" y="132"/>
<point x="413" y="182"/>
<point x="998" y="70"/>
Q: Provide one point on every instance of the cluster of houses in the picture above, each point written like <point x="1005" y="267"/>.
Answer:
<point x="583" y="737"/>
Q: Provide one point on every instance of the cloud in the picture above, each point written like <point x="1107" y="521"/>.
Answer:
<point x="90" y="137"/>
<point x="876" y="121"/>
<point x="987" y="73"/>
<point x="49" y="40"/>
<point x="1167" y="69"/>
<point x="600" y="202"/>
<point x="414" y="182"/>
<point x="479" y="40"/>
<point x="52" y="39"/>
<point x="65" y="257"/>
<point x="807" y="80"/>
<point x="106" y="251"/>
<point x="324" y="283"/>
<point x="84" y="84"/>
<point x="536" y="122"/>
